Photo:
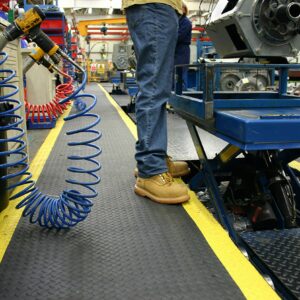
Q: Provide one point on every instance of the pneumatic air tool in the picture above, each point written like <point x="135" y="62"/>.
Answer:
<point x="29" y="25"/>
<point x="22" y="25"/>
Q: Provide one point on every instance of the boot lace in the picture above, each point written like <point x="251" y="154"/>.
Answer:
<point x="166" y="178"/>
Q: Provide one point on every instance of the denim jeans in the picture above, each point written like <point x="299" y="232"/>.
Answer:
<point x="153" y="28"/>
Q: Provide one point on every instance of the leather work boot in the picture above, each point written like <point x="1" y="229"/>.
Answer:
<point x="175" y="168"/>
<point x="162" y="189"/>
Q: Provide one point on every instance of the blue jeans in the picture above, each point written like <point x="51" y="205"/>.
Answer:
<point x="153" y="28"/>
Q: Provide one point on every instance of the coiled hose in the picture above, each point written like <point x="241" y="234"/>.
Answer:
<point x="70" y="70"/>
<point x="72" y="206"/>
<point x="40" y="112"/>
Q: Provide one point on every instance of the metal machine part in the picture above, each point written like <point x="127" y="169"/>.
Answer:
<point x="276" y="22"/>
<point x="120" y="57"/>
<point x="229" y="81"/>
<point x="250" y="84"/>
<point x="132" y="61"/>
<point x="260" y="189"/>
<point x="256" y="28"/>
<point x="249" y="80"/>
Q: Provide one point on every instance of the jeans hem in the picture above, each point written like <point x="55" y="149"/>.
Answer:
<point x="145" y="176"/>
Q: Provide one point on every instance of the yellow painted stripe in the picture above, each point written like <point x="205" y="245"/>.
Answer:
<point x="295" y="165"/>
<point x="228" y="153"/>
<point x="122" y="114"/>
<point x="244" y="274"/>
<point x="10" y="217"/>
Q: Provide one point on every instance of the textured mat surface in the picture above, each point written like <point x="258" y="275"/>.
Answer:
<point x="128" y="248"/>
<point x="35" y="140"/>
<point x="280" y="251"/>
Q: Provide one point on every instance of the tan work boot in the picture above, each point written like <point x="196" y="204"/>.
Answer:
<point x="162" y="189"/>
<point x="175" y="168"/>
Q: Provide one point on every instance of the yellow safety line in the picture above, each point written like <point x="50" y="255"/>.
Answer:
<point x="10" y="217"/>
<point x="295" y="165"/>
<point x="124" y="117"/>
<point x="244" y="274"/>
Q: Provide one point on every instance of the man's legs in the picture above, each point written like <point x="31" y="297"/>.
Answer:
<point x="153" y="29"/>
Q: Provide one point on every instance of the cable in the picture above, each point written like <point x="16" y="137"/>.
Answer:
<point x="72" y="206"/>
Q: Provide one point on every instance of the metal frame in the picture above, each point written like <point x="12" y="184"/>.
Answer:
<point x="201" y="107"/>
<point x="207" y="176"/>
<point x="209" y="69"/>
<point x="199" y="110"/>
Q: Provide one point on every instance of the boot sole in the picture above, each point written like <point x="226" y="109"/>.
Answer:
<point x="144" y="193"/>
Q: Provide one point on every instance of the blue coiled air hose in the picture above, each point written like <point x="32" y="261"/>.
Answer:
<point x="72" y="206"/>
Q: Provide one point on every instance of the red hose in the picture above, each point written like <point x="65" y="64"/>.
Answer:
<point x="53" y="108"/>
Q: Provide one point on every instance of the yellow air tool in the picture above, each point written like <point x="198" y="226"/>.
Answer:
<point x="29" y="25"/>
<point x="22" y="25"/>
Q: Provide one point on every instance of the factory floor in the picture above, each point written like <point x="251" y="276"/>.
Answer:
<point x="129" y="247"/>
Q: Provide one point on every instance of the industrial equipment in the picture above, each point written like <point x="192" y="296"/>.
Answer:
<point x="245" y="80"/>
<point x="82" y="25"/>
<point x="260" y="203"/>
<point x="231" y="79"/>
<point x="255" y="28"/>
<point x="121" y="54"/>
<point x="124" y="82"/>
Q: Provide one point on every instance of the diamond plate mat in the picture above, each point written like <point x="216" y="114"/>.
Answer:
<point x="128" y="248"/>
<point x="280" y="251"/>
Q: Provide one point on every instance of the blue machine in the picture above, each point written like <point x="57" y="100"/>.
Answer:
<point x="205" y="49"/>
<point x="122" y="84"/>
<point x="261" y="200"/>
<point x="248" y="121"/>
<point x="262" y="132"/>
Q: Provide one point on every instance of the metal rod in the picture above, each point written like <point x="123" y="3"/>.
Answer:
<point x="211" y="183"/>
